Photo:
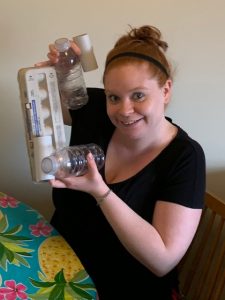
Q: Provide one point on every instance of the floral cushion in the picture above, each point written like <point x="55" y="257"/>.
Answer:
<point x="35" y="261"/>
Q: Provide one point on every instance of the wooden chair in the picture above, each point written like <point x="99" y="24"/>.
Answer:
<point x="202" y="270"/>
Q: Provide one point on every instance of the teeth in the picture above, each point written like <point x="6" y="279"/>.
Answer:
<point x="129" y="123"/>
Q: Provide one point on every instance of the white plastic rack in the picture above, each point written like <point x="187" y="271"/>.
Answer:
<point x="44" y="128"/>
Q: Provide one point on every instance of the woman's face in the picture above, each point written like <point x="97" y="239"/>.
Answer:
<point x="135" y="102"/>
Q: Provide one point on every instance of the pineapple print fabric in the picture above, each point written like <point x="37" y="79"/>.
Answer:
<point x="35" y="261"/>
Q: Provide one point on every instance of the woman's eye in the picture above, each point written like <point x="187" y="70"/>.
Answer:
<point x="112" y="98"/>
<point x="138" y="96"/>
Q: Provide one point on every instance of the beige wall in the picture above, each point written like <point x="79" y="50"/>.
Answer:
<point x="194" y="31"/>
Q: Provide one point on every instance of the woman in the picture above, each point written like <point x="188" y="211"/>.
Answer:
<point x="150" y="192"/>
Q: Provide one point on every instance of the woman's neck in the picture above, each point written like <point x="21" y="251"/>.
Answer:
<point x="157" y="140"/>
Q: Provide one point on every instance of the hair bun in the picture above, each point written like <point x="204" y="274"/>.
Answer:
<point x="143" y="43"/>
<point x="148" y="34"/>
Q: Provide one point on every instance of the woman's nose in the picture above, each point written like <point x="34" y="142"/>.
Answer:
<point x="126" y="107"/>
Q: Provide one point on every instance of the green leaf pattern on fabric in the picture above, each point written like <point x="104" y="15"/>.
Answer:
<point x="23" y="232"/>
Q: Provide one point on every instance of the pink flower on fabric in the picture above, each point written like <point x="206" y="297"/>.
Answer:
<point x="12" y="291"/>
<point x="6" y="201"/>
<point x="40" y="229"/>
<point x="2" y="297"/>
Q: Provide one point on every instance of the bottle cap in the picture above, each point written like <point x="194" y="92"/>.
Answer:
<point x="49" y="165"/>
<point x="87" y="58"/>
<point x="62" y="44"/>
<point x="42" y="147"/>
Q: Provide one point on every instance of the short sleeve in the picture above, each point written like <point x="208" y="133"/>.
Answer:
<point x="183" y="174"/>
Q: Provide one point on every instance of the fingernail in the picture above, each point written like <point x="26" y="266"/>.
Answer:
<point x="90" y="156"/>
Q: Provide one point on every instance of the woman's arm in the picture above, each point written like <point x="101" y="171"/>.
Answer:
<point x="160" y="245"/>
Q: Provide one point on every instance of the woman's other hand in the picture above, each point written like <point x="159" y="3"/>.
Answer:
<point x="91" y="182"/>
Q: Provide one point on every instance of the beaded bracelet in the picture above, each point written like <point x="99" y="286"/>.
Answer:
<point x="102" y="198"/>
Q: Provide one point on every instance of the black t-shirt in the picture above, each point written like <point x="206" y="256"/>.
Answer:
<point x="176" y="175"/>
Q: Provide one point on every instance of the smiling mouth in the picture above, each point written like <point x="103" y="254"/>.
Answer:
<point x="128" y="123"/>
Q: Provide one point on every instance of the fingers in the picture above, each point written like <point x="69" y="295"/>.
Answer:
<point x="57" y="183"/>
<point x="52" y="49"/>
<point x="53" y="58"/>
<point x="92" y="167"/>
<point x="75" y="48"/>
<point x="46" y="63"/>
<point x="70" y="182"/>
<point x="53" y="55"/>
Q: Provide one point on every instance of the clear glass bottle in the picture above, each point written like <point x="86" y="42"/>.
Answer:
<point x="70" y="76"/>
<point x="72" y="160"/>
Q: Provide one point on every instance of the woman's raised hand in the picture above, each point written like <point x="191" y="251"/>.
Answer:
<point x="53" y="55"/>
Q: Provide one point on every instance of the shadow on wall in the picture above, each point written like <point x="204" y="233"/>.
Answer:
<point x="215" y="183"/>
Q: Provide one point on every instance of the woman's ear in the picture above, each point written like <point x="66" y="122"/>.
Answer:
<point x="167" y="88"/>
